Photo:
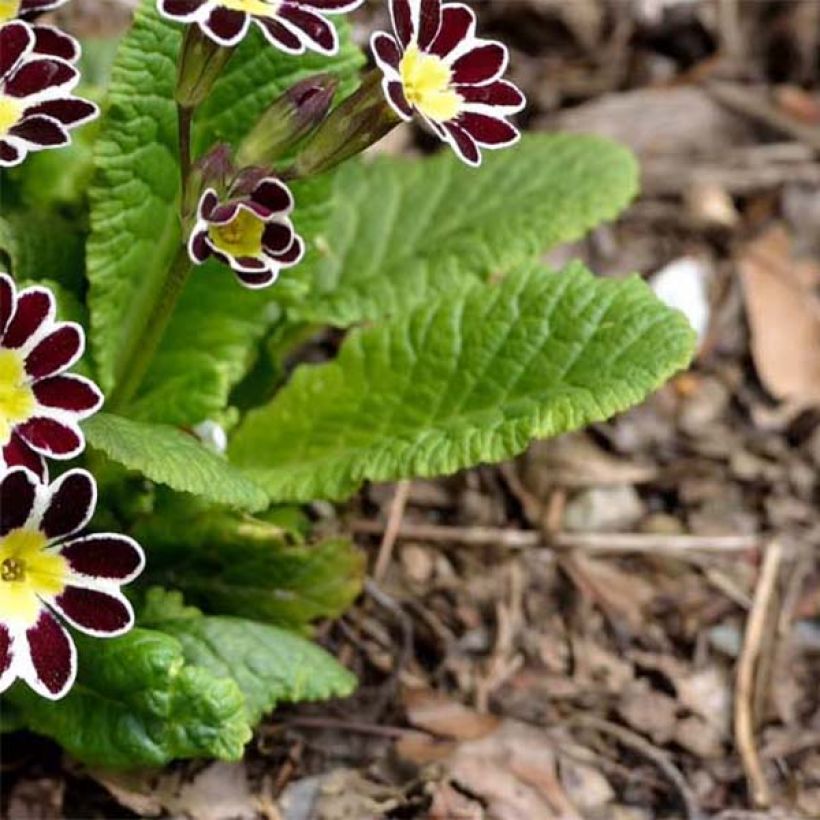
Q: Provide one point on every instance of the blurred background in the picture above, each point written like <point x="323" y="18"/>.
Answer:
<point x="622" y="623"/>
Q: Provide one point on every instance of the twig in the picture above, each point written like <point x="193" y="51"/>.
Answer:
<point x="348" y="726"/>
<point x="588" y="541"/>
<point x="744" y="685"/>
<point x="391" y="531"/>
<point x="644" y="747"/>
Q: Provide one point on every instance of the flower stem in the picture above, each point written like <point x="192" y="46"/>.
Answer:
<point x="144" y="346"/>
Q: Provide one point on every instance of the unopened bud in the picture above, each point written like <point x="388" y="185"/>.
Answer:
<point x="361" y="120"/>
<point x="288" y="120"/>
<point x="201" y="62"/>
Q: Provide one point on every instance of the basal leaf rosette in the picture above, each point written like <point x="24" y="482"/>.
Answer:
<point x="293" y="26"/>
<point x="40" y="404"/>
<point x="37" y="108"/>
<point x="251" y="233"/>
<point x="434" y="65"/>
<point x="49" y="574"/>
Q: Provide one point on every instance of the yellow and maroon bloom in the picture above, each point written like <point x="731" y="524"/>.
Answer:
<point x="48" y="39"/>
<point x="251" y="233"/>
<point x="48" y="570"/>
<point x="434" y="64"/>
<point x="36" y="79"/>
<point x="293" y="26"/>
<point x="40" y="404"/>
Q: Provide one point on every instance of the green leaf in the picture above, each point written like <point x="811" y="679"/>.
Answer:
<point x="139" y="702"/>
<point x="468" y="378"/>
<point x="404" y="231"/>
<point x="135" y="230"/>
<point x="169" y="456"/>
<point x="271" y="665"/>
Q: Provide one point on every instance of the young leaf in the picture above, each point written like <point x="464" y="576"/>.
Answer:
<point x="134" y="222"/>
<point x="403" y="232"/>
<point x="137" y="702"/>
<point x="169" y="456"/>
<point x="269" y="664"/>
<point x="471" y="377"/>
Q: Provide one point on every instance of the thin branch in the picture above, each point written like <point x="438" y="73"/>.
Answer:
<point x="744" y="685"/>
<point x="391" y="532"/>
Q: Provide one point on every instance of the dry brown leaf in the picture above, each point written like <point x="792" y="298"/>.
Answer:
<point x="784" y="316"/>
<point x="438" y="714"/>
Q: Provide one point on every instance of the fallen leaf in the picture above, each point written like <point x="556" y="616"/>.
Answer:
<point x="784" y="316"/>
<point x="438" y="714"/>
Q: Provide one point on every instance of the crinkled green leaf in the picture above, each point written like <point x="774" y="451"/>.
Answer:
<point x="169" y="456"/>
<point x="271" y="665"/>
<point x="404" y="231"/>
<point x="135" y="230"/>
<point x="470" y="377"/>
<point x="139" y="701"/>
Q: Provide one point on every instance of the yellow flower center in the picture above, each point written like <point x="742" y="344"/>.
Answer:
<point x="426" y="82"/>
<point x="8" y="10"/>
<point x="242" y="236"/>
<point x="261" y="8"/>
<point x="26" y="573"/>
<point x="17" y="401"/>
<point x="11" y="110"/>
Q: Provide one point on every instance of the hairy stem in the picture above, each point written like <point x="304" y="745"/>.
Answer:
<point x="144" y="347"/>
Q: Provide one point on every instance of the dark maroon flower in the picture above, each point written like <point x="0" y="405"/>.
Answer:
<point x="40" y="404"/>
<point x="435" y="65"/>
<point x="47" y="570"/>
<point x="251" y="233"/>
<point x="294" y="26"/>
<point x="36" y="79"/>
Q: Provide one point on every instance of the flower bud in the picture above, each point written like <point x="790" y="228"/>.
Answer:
<point x="201" y="62"/>
<point x="290" y="118"/>
<point x="361" y="120"/>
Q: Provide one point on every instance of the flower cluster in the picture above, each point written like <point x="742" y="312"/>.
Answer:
<point x="46" y="569"/>
<point x="37" y="76"/>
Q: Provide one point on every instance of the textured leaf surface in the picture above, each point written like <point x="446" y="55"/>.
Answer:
<point x="135" y="230"/>
<point x="169" y="456"/>
<point x="138" y="703"/>
<point x="269" y="664"/>
<point x="469" y="378"/>
<point x="403" y="231"/>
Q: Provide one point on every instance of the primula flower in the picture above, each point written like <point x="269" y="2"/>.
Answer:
<point x="294" y="26"/>
<point x="47" y="570"/>
<point x="435" y="65"/>
<point x="48" y="39"/>
<point x="36" y="80"/>
<point x="252" y="234"/>
<point x="40" y="405"/>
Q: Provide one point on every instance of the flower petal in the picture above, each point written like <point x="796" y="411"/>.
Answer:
<point x="277" y="237"/>
<point x="35" y="307"/>
<point x="385" y="50"/>
<point x="457" y="26"/>
<point x="57" y="351"/>
<point x="52" y="42"/>
<point x="226" y="26"/>
<point x="198" y="248"/>
<point x="184" y="11"/>
<point x="279" y="36"/>
<point x="499" y="94"/>
<point x="331" y="6"/>
<point x="31" y="8"/>
<point x="8" y="670"/>
<point x="68" y="110"/>
<point x="255" y="281"/>
<point x="429" y="22"/>
<point x="207" y="202"/>
<point x="394" y="91"/>
<point x="463" y="144"/>
<point x="274" y="195"/>
<point x="36" y="76"/>
<point x="320" y="34"/>
<point x="490" y="131"/>
<point x="10" y="155"/>
<point x="16" y="40"/>
<point x="18" y="454"/>
<point x="402" y="17"/>
<point x="40" y="131"/>
<point x="51" y="437"/>
<point x="72" y="393"/>
<point x="7" y="299"/>
<point x="53" y="656"/>
<point x="94" y="611"/>
<point x="104" y="556"/>
<point x="70" y="504"/>
<point x="480" y="65"/>
<point x="18" y="492"/>
<point x="292" y="256"/>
